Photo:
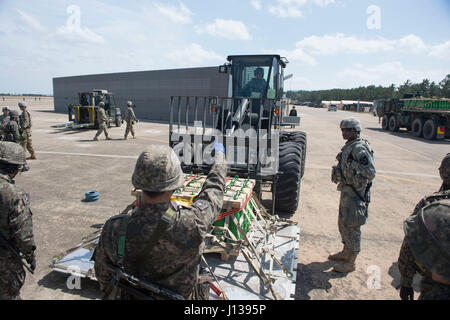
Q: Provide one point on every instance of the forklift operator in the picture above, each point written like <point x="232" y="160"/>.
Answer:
<point x="255" y="87"/>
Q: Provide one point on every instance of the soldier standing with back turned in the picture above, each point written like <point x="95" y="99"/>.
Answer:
<point x="420" y="253"/>
<point x="102" y="120"/>
<point x="25" y="127"/>
<point x="16" y="226"/>
<point x="130" y="117"/>
<point x="353" y="174"/>
<point x="159" y="243"/>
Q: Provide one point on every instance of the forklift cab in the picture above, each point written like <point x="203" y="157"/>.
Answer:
<point x="255" y="80"/>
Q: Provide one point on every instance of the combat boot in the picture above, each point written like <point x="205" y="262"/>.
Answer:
<point x="108" y="138"/>
<point x="340" y="256"/>
<point x="32" y="157"/>
<point x="124" y="137"/>
<point x="95" y="139"/>
<point x="348" y="265"/>
<point x="134" y="137"/>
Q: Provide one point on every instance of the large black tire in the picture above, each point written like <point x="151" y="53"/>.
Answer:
<point x="417" y="127"/>
<point x="385" y="123"/>
<point x="430" y="129"/>
<point x="287" y="195"/>
<point x="118" y="121"/>
<point x="300" y="138"/>
<point x="393" y="124"/>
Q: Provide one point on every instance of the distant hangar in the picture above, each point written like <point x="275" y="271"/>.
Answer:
<point x="150" y="91"/>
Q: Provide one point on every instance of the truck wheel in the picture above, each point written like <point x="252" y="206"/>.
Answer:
<point x="385" y="123"/>
<point x="393" y="124"/>
<point x="118" y="121"/>
<point x="300" y="138"/>
<point x="430" y="129"/>
<point x="287" y="193"/>
<point x="417" y="127"/>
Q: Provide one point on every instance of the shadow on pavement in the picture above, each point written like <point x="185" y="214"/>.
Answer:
<point x="316" y="275"/>
<point x="59" y="281"/>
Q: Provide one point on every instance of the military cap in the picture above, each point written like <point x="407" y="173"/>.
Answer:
<point x="12" y="153"/>
<point x="22" y="104"/>
<point x="129" y="103"/>
<point x="158" y="169"/>
<point x="428" y="235"/>
<point x="351" y="123"/>
<point x="14" y="113"/>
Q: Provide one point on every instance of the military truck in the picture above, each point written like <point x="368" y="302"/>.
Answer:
<point x="424" y="117"/>
<point x="84" y="114"/>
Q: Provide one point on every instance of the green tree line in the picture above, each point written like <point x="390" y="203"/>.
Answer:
<point x="426" y="88"/>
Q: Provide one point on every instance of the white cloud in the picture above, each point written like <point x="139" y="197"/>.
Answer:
<point x="411" y="44"/>
<point x="31" y="21"/>
<point x="194" y="55"/>
<point x="286" y="12"/>
<point x="329" y="45"/>
<point x="441" y="51"/>
<point x="323" y="3"/>
<point x="80" y="34"/>
<point x="180" y="14"/>
<point x="256" y="4"/>
<point x="229" y="29"/>
<point x="385" y="74"/>
<point x="297" y="56"/>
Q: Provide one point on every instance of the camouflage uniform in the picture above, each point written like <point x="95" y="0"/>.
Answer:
<point x="426" y="248"/>
<point x="130" y="117"/>
<point x="16" y="226"/>
<point x="4" y="119"/>
<point x="11" y="130"/>
<point x="102" y="120"/>
<point x="174" y="261"/>
<point x="25" y="125"/>
<point x="353" y="174"/>
<point x="407" y="263"/>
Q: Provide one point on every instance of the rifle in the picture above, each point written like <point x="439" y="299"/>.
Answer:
<point x="141" y="288"/>
<point x="8" y="245"/>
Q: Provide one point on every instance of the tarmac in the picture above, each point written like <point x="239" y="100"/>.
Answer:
<point x="70" y="164"/>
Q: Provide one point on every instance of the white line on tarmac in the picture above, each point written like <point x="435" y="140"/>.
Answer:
<point x="88" y="154"/>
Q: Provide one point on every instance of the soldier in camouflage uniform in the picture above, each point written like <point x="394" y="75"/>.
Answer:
<point x="102" y="120"/>
<point x="4" y="119"/>
<point x="25" y="127"/>
<point x="11" y="129"/>
<point x="130" y="117"/>
<point x="16" y="226"/>
<point x="426" y="250"/>
<point x="173" y="261"/>
<point x="353" y="174"/>
<point x="407" y="262"/>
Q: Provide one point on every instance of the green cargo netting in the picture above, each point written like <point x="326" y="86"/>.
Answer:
<point x="433" y="104"/>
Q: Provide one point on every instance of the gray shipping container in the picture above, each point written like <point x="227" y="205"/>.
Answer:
<point x="150" y="91"/>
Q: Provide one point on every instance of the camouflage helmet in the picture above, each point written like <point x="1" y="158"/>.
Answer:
<point x="101" y="104"/>
<point x="14" y="113"/>
<point x="444" y="168"/>
<point x="428" y="236"/>
<point x="22" y="104"/>
<point x="158" y="169"/>
<point x="12" y="153"/>
<point x="6" y="108"/>
<point x="129" y="103"/>
<point x="351" y="123"/>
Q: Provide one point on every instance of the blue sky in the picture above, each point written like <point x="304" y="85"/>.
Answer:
<point x="329" y="43"/>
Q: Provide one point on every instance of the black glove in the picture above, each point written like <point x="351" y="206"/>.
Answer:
<point x="32" y="263"/>
<point x="406" y="293"/>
